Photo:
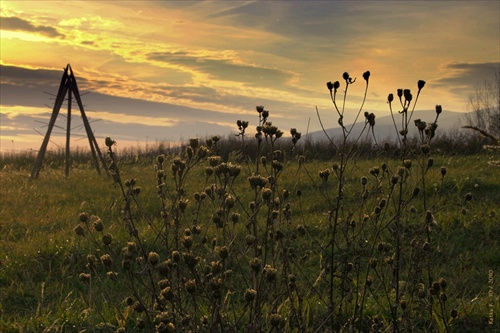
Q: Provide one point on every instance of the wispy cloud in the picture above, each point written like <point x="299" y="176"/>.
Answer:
<point x="19" y="24"/>
<point x="226" y="69"/>
<point x="461" y="79"/>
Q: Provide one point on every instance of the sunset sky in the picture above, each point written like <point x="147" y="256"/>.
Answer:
<point x="172" y="70"/>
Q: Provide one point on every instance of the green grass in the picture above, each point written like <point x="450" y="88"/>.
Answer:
<point x="41" y="257"/>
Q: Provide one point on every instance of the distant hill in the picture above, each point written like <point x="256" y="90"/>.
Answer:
<point x="384" y="127"/>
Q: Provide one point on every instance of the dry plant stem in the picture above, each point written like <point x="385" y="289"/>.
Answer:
<point x="360" y="109"/>
<point x="394" y="122"/>
<point x="341" y="119"/>
<point x="337" y="205"/>
<point x="333" y="228"/>
<point x="333" y="97"/>
<point x="414" y="104"/>
<point x="324" y="130"/>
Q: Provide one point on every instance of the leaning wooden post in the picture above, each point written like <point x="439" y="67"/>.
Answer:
<point x="94" y="147"/>
<point x="68" y="130"/>
<point x="63" y="88"/>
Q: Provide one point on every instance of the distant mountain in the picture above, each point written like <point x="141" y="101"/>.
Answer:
<point x="384" y="127"/>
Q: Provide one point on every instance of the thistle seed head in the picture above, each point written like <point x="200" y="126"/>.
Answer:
<point x="400" y="93"/>
<point x="250" y="240"/>
<point x="97" y="225"/>
<point x="214" y="160"/>
<point x="349" y="266"/>
<point x="250" y="295"/>
<point x="301" y="230"/>
<point x="235" y="217"/>
<point x="229" y="201"/>
<point x="420" y="84"/>
<point x="190" y="260"/>
<point x="176" y="256"/>
<point x="382" y="203"/>
<point x="257" y="181"/>
<point x="233" y="169"/>
<point x="79" y="230"/>
<point x="256" y="264"/>
<point x="366" y="76"/>
<point x="106" y="260"/>
<point x="442" y="283"/>
<point x="416" y="191"/>
<point x="223" y="252"/>
<point x="369" y="280"/>
<point x="270" y="273"/>
<point x="84" y="277"/>
<point x="153" y="258"/>
<point x="84" y="217"/>
<point x="132" y="247"/>
<point x="267" y="194"/>
<point x="439" y="109"/>
<point x="190" y="286"/>
<point x="109" y="143"/>
<point x="435" y="286"/>
<point x="202" y="152"/>
<point x="407" y="94"/>
<point x="375" y="171"/>
<point x="276" y="320"/>
<point x="167" y="293"/>
<point x="107" y="239"/>
<point x="187" y="242"/>
<point x="194" y="143"/>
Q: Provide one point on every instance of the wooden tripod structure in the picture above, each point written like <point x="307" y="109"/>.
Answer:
<point x="68" y="87"/>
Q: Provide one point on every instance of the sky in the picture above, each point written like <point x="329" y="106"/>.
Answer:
<point x="166" y="71"/>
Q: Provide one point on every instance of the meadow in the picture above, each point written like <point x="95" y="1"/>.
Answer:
<point x="264" y="236"/>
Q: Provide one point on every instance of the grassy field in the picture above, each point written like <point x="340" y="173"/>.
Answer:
<point x="42" y="259"/>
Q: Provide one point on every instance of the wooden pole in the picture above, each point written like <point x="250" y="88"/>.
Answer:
<point x="63" y="88"/>
<point x="68" y="130"/>
<point x="94" y="147"/>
